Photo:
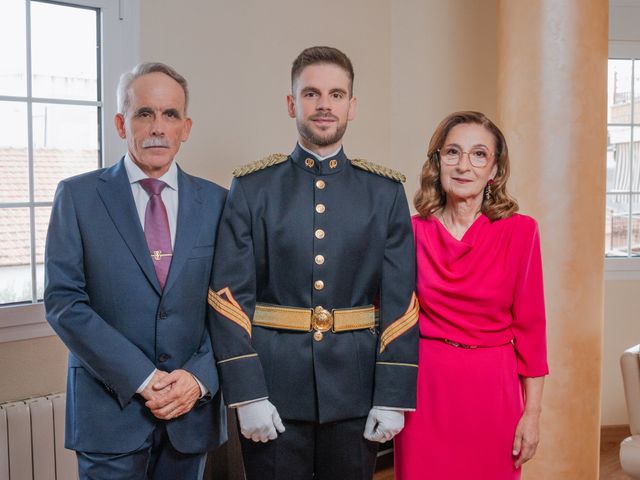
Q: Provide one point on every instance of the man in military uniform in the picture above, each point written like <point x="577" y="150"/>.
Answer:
<point x="314" y="320"/>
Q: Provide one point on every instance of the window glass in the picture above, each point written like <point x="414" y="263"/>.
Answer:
<point x="15" y="255"/>
<point x="64" y="63"/>
<point x="14" y="155"/>
<point x="65" y="143"/>
<point x="13" y="39"/>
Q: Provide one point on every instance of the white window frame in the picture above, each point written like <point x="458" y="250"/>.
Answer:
<point x="624" y="42"/>
<point x="120" y="52"/>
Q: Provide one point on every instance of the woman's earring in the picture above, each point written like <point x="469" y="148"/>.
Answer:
<point x="487" y="190"/>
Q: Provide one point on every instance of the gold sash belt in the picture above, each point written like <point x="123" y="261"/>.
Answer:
<point x="318" y="318"/>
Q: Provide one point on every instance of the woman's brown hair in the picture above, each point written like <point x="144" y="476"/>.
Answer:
<point x="430" y="197"/>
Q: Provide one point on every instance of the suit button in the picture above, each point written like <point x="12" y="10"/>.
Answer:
<point x="319" y="259"/>
<point x="320" y="184"/>
<point x="320" y="208"/>
<point x="162" y="314"/>
<point x="164" y="357"/>
<point x="319" y="234"/>
<point x="318" y="285"/>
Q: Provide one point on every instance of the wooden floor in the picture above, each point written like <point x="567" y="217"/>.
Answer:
<point x="610" y="439"/>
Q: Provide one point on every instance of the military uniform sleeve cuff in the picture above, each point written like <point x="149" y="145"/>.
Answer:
<point x="242" y="379"/>
<point x="395" y="385"/>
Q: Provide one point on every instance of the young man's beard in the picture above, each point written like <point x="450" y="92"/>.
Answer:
<point x="321" y="141"/>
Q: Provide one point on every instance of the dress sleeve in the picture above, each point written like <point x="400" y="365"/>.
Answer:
<point x="529" y="320"/>
<point x="232" y="298"/>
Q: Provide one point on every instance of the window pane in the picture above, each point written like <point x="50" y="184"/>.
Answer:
<point x="635" y="163"/>
<point x="619" y="95"/>
<point x="15" y="255"/>
<point x="42" y="222"/>
<point x="618" y="159"/>
<point x="64" y="52"/>
<point x="13" y="38"/>
<point x="14" y="160"/>
<point x="617" y="225"/>
<point x="65" y="141"/>
<point x="635" y="227"/>
<point x="636" y="92"/>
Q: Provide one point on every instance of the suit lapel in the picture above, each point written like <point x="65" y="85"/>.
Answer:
<point x="115" y="192"/>
<point x="188" y="225"/>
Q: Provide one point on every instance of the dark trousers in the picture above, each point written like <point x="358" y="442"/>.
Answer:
<point x="156" y="459"/>
<point x="308" y="450"/>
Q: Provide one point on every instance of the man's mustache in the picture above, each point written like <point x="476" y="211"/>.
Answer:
<point x="324" y="115"/>
<point x="155" y="142"/>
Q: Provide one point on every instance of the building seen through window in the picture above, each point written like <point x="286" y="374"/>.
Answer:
<point x="622" y="227"/>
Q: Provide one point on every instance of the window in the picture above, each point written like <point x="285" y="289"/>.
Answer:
<point x="622" y="227"/>
<point x="622" y="215"/>
<point x="58" y="75"/>
<point x="50" y="121"/>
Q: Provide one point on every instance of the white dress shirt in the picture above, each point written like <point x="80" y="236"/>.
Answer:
<point x="169" y="197"/>
<point x="318" y="156"/>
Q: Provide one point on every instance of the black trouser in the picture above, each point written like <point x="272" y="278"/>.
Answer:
<point x="308" y="450"/>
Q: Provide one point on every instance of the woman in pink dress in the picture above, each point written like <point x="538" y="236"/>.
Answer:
<point x="482" y="321"/>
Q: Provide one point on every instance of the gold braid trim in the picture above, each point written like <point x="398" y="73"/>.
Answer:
<point x="266" y="162"/>
<point x="378" y="170"/>
<point x="401" y="325"/>
<point x="229" y="308"/>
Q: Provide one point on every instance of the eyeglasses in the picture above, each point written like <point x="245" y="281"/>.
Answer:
<point x="452" y="155"/>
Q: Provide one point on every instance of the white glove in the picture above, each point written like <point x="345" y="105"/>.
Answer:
<point x="382" y="425"/>
<point x="259" y="421"/>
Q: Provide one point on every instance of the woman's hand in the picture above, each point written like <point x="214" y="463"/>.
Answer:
<point x="526" y="438"/>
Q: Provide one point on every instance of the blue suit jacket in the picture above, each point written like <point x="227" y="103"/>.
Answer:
<point x="103" y="299"/>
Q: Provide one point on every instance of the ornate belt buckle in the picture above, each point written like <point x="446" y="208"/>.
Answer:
<point x="321" y="321"/>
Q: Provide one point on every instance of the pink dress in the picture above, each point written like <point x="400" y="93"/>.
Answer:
<point x="483" y="291"/>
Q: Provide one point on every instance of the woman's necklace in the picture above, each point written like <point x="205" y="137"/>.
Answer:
<point x="449" y="229"/>
<point x="444" y="222"/>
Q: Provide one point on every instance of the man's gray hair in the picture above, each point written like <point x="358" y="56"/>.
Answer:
<point x="127" y="78"/>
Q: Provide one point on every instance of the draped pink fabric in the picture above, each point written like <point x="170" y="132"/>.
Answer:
<point x="483" y="290"/>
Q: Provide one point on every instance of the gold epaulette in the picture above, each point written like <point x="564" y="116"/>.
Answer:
<point x="378" y="170"/>
<point x="266" y="162"/>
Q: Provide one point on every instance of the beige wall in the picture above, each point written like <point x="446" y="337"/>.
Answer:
<point x="240" y="56"/>
<point x="621" y="331"/>
<point x="437" y="66"/>
<point x="237" y="57"/>
<point x="32" y="368"/>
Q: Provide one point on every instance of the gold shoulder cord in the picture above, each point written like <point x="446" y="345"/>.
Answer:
<point x="266" y="162"/>
<point x="378" y="170"/>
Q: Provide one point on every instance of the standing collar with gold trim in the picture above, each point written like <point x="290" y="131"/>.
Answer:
<point x="312" y="164"/>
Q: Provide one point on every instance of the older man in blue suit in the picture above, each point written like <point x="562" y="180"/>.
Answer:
<point x="128" y="262"/>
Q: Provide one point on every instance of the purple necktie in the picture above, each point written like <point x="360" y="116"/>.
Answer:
<point x="156" y="228"/>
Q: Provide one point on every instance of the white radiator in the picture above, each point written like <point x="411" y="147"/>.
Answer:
<point x="32" y="441"/>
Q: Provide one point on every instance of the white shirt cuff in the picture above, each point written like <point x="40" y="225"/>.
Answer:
<point x="144" y="384"/>
<point x="203" y="390"/>
<point x="246" y="402"/>
<point x="396" y="409"/>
